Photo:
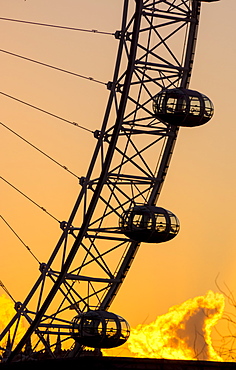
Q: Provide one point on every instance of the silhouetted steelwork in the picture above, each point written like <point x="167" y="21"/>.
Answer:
<point x="131" y="158"/>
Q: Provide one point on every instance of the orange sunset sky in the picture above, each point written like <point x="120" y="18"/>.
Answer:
<point x="201" y="182"/>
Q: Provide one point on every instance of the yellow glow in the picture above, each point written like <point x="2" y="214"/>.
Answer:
<point x="7" y="312"/>
<point x="183" y="333"/>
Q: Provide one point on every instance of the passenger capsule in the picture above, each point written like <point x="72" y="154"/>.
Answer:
<point x="149" y="224"/>
<point x="182" y="107"/>
<point x="100" y="329"/>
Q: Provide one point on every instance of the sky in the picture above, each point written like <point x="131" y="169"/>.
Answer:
<point x="200" y="185"/>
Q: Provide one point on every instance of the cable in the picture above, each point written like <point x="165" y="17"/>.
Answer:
<point x="7" y="291"/>
<point x="53" y="67"/>
<point x="26" y="246"/>
<point x="39" y="150"/>
<point x="36" y="204"/>
<point x="56" y="26"/>
<point x="44" y="111"/>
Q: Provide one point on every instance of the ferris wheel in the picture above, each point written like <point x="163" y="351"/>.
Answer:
<point x="116" y="209"/>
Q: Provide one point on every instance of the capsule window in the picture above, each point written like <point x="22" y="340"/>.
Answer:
<point x="195" y="106"/>
<point x="141" y="221"/>
<point x="209" y="110"/>
<point x="125" y="330"/>
<point x="182" y="105"/>
<point x="91" y="326"/>
<point x="171" y="105"/>
<point x="111" y="330"/>
<point x="158" y="104"/>
<point x="137" y="220"/>
<point x="174" y="224"/>
<point x="160" y="222"/>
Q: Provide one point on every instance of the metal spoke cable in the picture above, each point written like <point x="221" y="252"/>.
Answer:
<point x="57" y="26"/>
<point x="31" y="200"/>
<point x="49" y="113"/>
<point x="7" y="291"/>
<point x="53" y="67"/>
<point x="26" y="246"/>
<point x="39" y="150"/>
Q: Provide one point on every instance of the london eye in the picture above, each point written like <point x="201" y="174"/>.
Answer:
<point x="117" y="207"/>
